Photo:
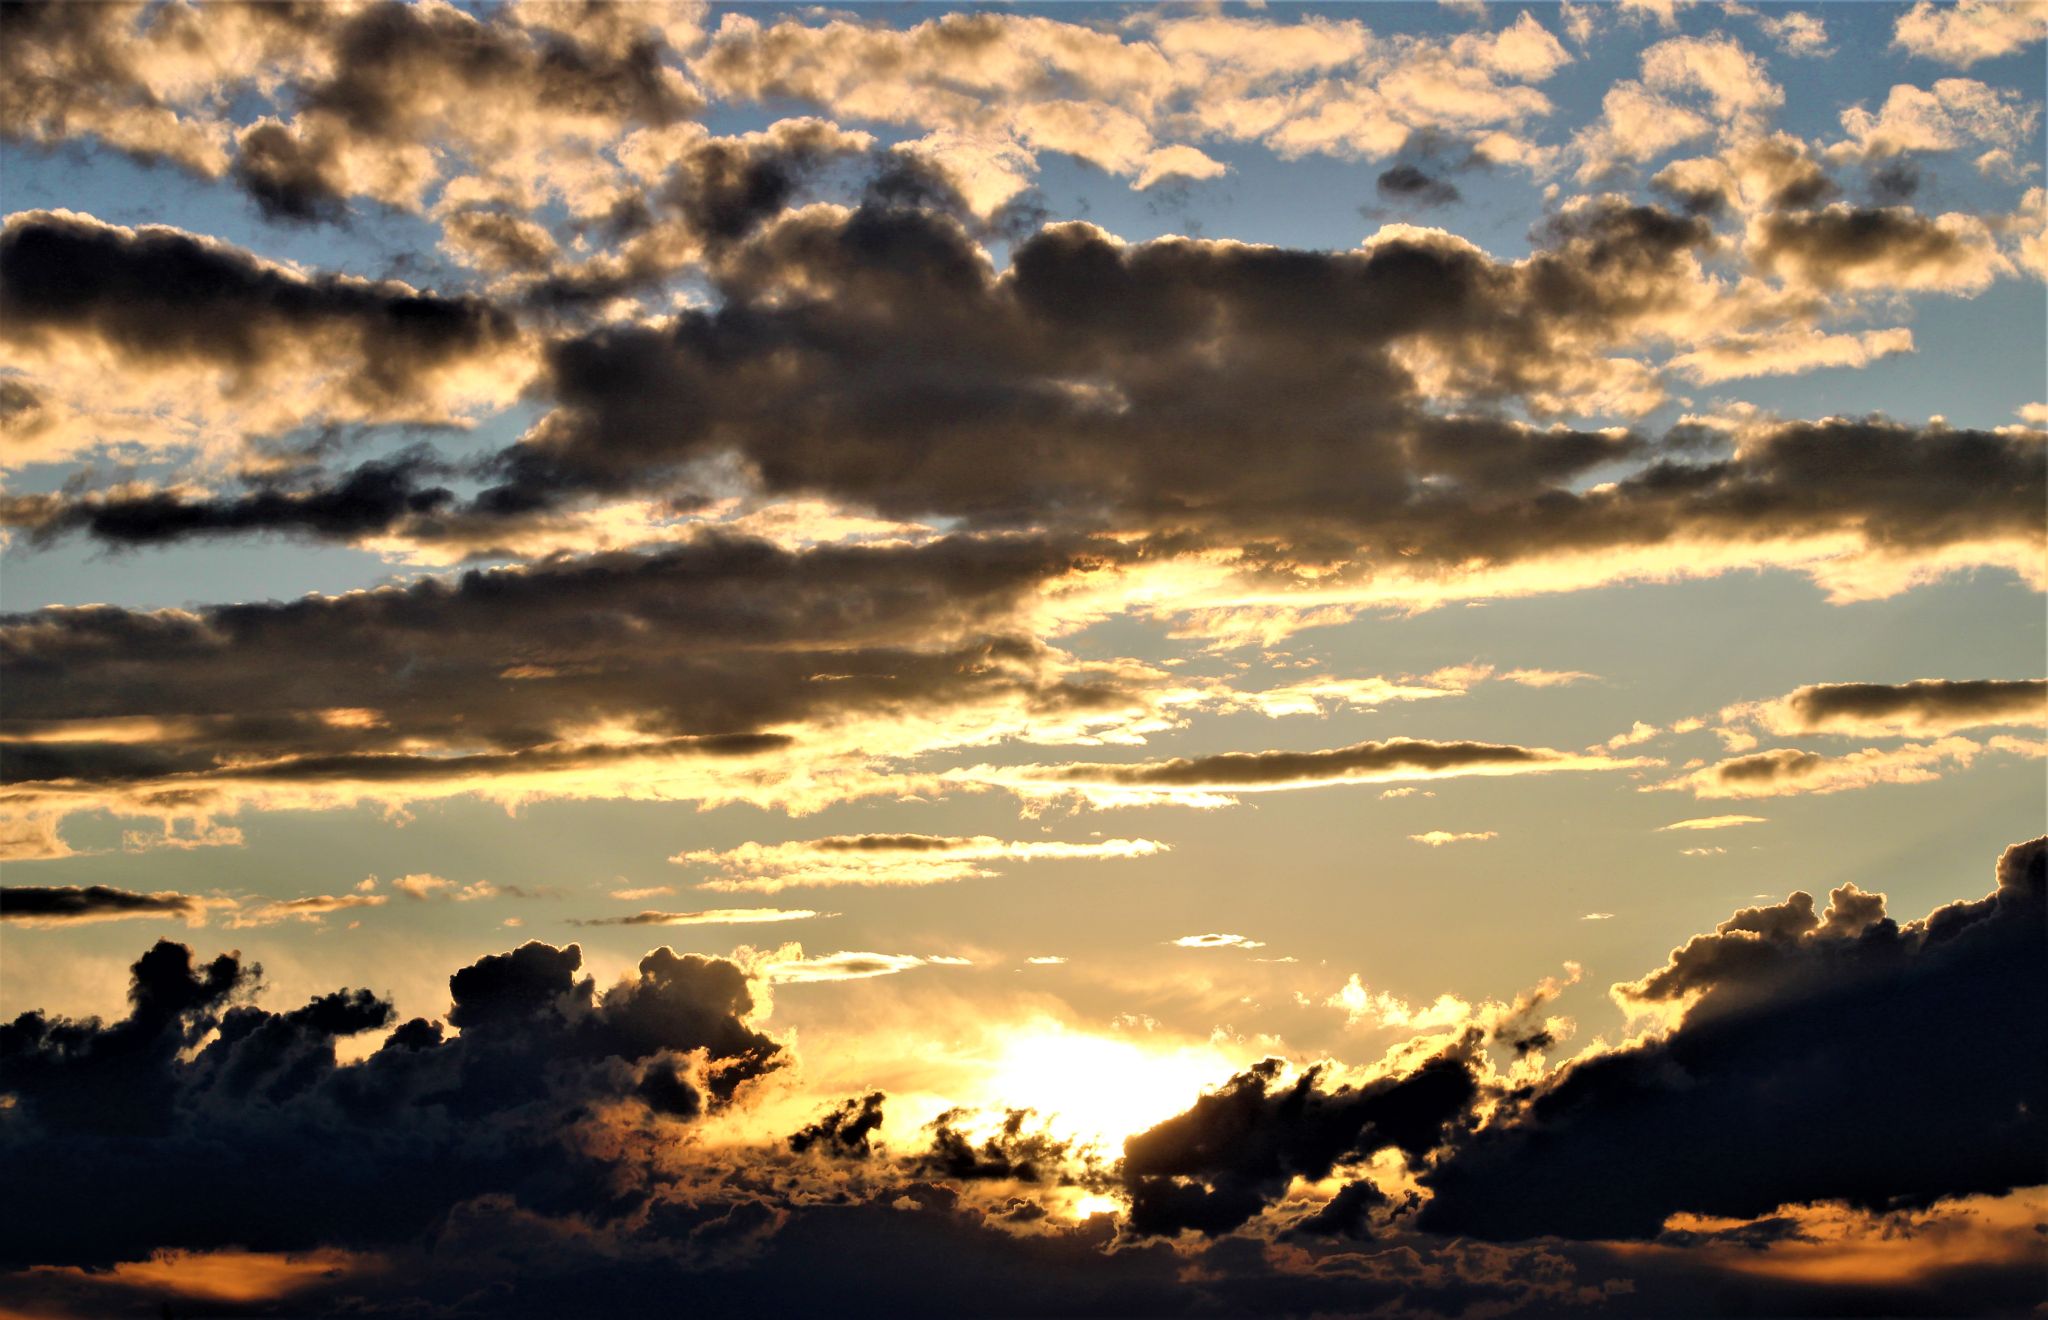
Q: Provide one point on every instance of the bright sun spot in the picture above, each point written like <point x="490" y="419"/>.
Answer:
<point x="1099" y="1089"/>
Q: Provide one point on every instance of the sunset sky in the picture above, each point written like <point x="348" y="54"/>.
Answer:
<point x="1030" y="659"/>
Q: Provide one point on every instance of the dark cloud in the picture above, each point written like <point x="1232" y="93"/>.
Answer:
<point x="1371" y="761"/>
<point x="34" y="903"/>
<point x="697" y="650"/>
<point x="1223" y="1161"/>
<point x="369" y="499"/>
<point x="876" y="357"/>
<point x="1907" y="1064"/>
<point x="290" y="177"/>
<point x="1852" y="247"/>
<point x="1407" y="183"/>
<point x="1894" y="182"/>
<point x="1015" y="1152"/>
<point x="157" y="297"/>
<point x="844" y="1131"/>
<point x="1925" y="705"/>
<point x="172" y="1127"/>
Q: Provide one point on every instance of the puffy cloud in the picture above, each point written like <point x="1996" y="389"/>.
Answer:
<point x="1846" y="248"/>
<point x="992" y="91"/>
<point x="207" y="1097"/>
<point x="1970" y="30"/>
<point x="887" y="859"/>
<point x="1217" y="1165"/>
<point x="1953" y="114"/>
<point x="1778" y="1034"/>
<point x="205" y="329"/>
<point x="1796" y="32"/>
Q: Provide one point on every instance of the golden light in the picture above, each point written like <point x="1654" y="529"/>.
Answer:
<point x="1097" y="1090"/>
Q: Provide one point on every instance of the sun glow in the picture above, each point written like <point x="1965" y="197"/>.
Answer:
<point x="1097" y="1090"/>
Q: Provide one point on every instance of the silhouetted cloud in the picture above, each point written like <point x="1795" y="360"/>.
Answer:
<point x="55" y="905"/>
<point x="1898" y="1053"/>
<point x="208" y="1097"/>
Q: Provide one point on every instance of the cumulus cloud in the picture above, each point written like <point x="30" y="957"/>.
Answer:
<point x="1775" y="1031"/>
<point x="1215" y="1166"/>
<point x="1970" y="30"/>
<point x="210" y="1095"/>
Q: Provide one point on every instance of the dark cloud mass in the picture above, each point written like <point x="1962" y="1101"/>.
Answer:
<point x="1223" y="1161"/>
<point x="698" y="649"/>
<point x="1880" y="1064"/>
<point x="158" y="296"/>
<point x="207" y="1098"/>
<point x="90" y="903"/>
<point x="682" y="418"/>
<point x="1926" y="702"/>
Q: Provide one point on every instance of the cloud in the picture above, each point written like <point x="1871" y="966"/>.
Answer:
<point x="1215" y="1166"/>
<point x="1952" y="114"/>
<point x="1925" y="707"/>
<point x="1797" y="33"/>
<point x="708" y="917"/>
<point x="1878" y="248"/>
<point x="1202" y="780"/>
<point x="34" y="905"/>
<point x="1438" y="838"/>
<point x="567" y="678"/>
<point x="210" y="1095"/>
<point x="1776" y="1035"/>
<point x="1787" y="770"/>
<point x="1218" y="942"/>
<point x="1547" y="678"/>
<point x="311" y="908"/>
<point x="887" y="859"/>
<point x="1970" y="30"/>
<point x="1406" y="183"/>
<point x="789" y="966"/>
<point x="1711" y="823"/>
<point x="226" y="336"/>
<point x="1130" y="101"/>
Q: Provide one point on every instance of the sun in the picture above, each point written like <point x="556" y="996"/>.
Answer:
<point x="1097" y="1090"/>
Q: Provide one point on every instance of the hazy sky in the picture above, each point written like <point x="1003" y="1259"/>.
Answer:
<point x="1429" y="613"/>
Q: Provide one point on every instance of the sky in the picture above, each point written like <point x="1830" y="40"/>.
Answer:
<point x="1090" y="660"/>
